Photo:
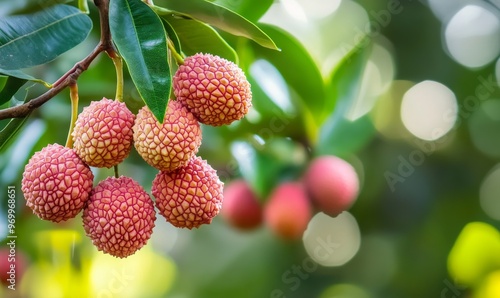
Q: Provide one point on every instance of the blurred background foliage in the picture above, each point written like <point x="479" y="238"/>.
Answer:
<point x="344" y="83"/>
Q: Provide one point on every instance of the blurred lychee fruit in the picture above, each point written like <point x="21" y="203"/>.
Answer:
<point x="332" y="184"/>
<point x="119" y="216"/>
<point x="189" y="196"/>
<point x="169" y="145"/>
<point x="102" y="136"/>
<point x="288" y="211"/>
<point x="214" y="89"/>
<point x="241" y="208"/>
<point x="56" y="183"/>
<point x="13" y="265"/>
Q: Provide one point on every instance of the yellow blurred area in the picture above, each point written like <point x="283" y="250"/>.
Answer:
<point x="68" y="267"/>
<point x="490" y="288"/>
<point x="475" y="255"/>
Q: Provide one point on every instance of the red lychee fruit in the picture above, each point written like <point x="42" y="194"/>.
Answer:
<point x="214" y="89"/>
<point x="189" y="196"/>
<point x="241" y="207"/>
<point x="288" y="211"/>
<point x="332" y="184"/>
<point x="170" y="145"/>
<point x="13" y="264"/>
<point x="102" y="136"/>
<point x="119" y="216"/>
<point x="56" y="183"/>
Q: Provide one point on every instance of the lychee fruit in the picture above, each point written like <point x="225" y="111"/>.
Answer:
<point x="102" y="136"/>
<point x="119" y="216"/>
<point x="189" y="196"/>
<point x="169" y="145"/>
<point x="332" y="184"/>
<point x="241" y="207"/>
<point x="56" y="183"/>
<point x="13" y="265"/>
<point x="214" y="89"/>
<point x="288" y="210"/>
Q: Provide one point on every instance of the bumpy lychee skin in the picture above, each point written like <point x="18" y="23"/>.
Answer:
<point x="241" y="208"/>
<point x="332" y="184"/>
<point x="288" y="211"/>
<point x="119" y="216"/>
<point x="103" y="133"/>
<point x="214" y="89"/>
<point x="56" y="183"/>
<point x="189" y="196"/>
<point x="169" y="145"/>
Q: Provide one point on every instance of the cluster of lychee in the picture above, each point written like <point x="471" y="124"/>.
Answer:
<point x="329" y="184"/>
<point x="118" y="214"/>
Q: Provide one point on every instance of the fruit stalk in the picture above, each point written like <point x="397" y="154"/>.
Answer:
<point x="73" y="94"/>
<point x="118" y="62"/>
<point x="178" y="58"/>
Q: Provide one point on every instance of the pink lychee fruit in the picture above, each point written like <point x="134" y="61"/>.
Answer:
<point x="56" y="183"/>
<point x="119" y="216"/>
<point x="288" y="210"/>
<point x="214" y="89"/>
<point x="102" y="136"/>
<point x="169" y="145"/>
<point x="241" y="207"/>
<point x="332" y="184"/>
<point x="189" y="196"/>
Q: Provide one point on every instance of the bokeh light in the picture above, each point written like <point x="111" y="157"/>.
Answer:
<point x="484" y="127"/>
<point x="332" y="241"/>
<point x="473" y="36"/>
<point x="429" y="110"/>
<point x="386" y="112"/>
<point x="490" y="188"/>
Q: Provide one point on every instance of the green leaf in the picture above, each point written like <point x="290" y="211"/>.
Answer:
<point x="249" y="9"/>
<point x="338" y="135"/>
<point x="218" y="16"/>
<point x="141" y="39"/>
<point x="11" y="86"/>
<point x="172" y="35"/>
<point x="10" y="130"/>
<point x="21" y="75"/>
<point x="196" y="37"/>
<point x="34" y="39"/>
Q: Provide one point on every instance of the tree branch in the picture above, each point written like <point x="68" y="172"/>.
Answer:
<point x="105" y="45"/>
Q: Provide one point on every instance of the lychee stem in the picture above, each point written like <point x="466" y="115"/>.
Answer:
<point x="178" y="58"/>
<point x="117" y="175"/>
<point x="118" y="62"/>
<point x="73" y="94"/>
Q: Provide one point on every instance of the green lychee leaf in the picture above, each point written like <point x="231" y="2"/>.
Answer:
<point x="37" y="38"/>
<point x="22" y="75"/>
<point x="141" y="39"/>
<point x="217" y="16"/>
<point x="339" y="135"/>
<point x="250" y="9"/>
<point x="196" y="37"/>
<point x="10" y="88"/>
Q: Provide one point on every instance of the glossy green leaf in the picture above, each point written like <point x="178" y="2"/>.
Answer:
<point x="339" y="135"/>
<point x="250" y="9"/>
<point x="11" y="86"/>
<point x="217" y="16"/>
<point x="301" y="74"/>
<point x="10" y="130"/>
<point x="21" y="75"/>
<point x="172" y="35"/>
<point x="34" y="39"/>
<point x="141" y="40"/>
<point x="196" y="37"/>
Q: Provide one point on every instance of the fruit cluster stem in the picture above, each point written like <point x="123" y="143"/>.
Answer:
<point x="118" y="62"/>
<point x="73" y="94"/>
<point x="70" y="77"/>
<point x="178" y="58"/>
<point x="117" y="174"/>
